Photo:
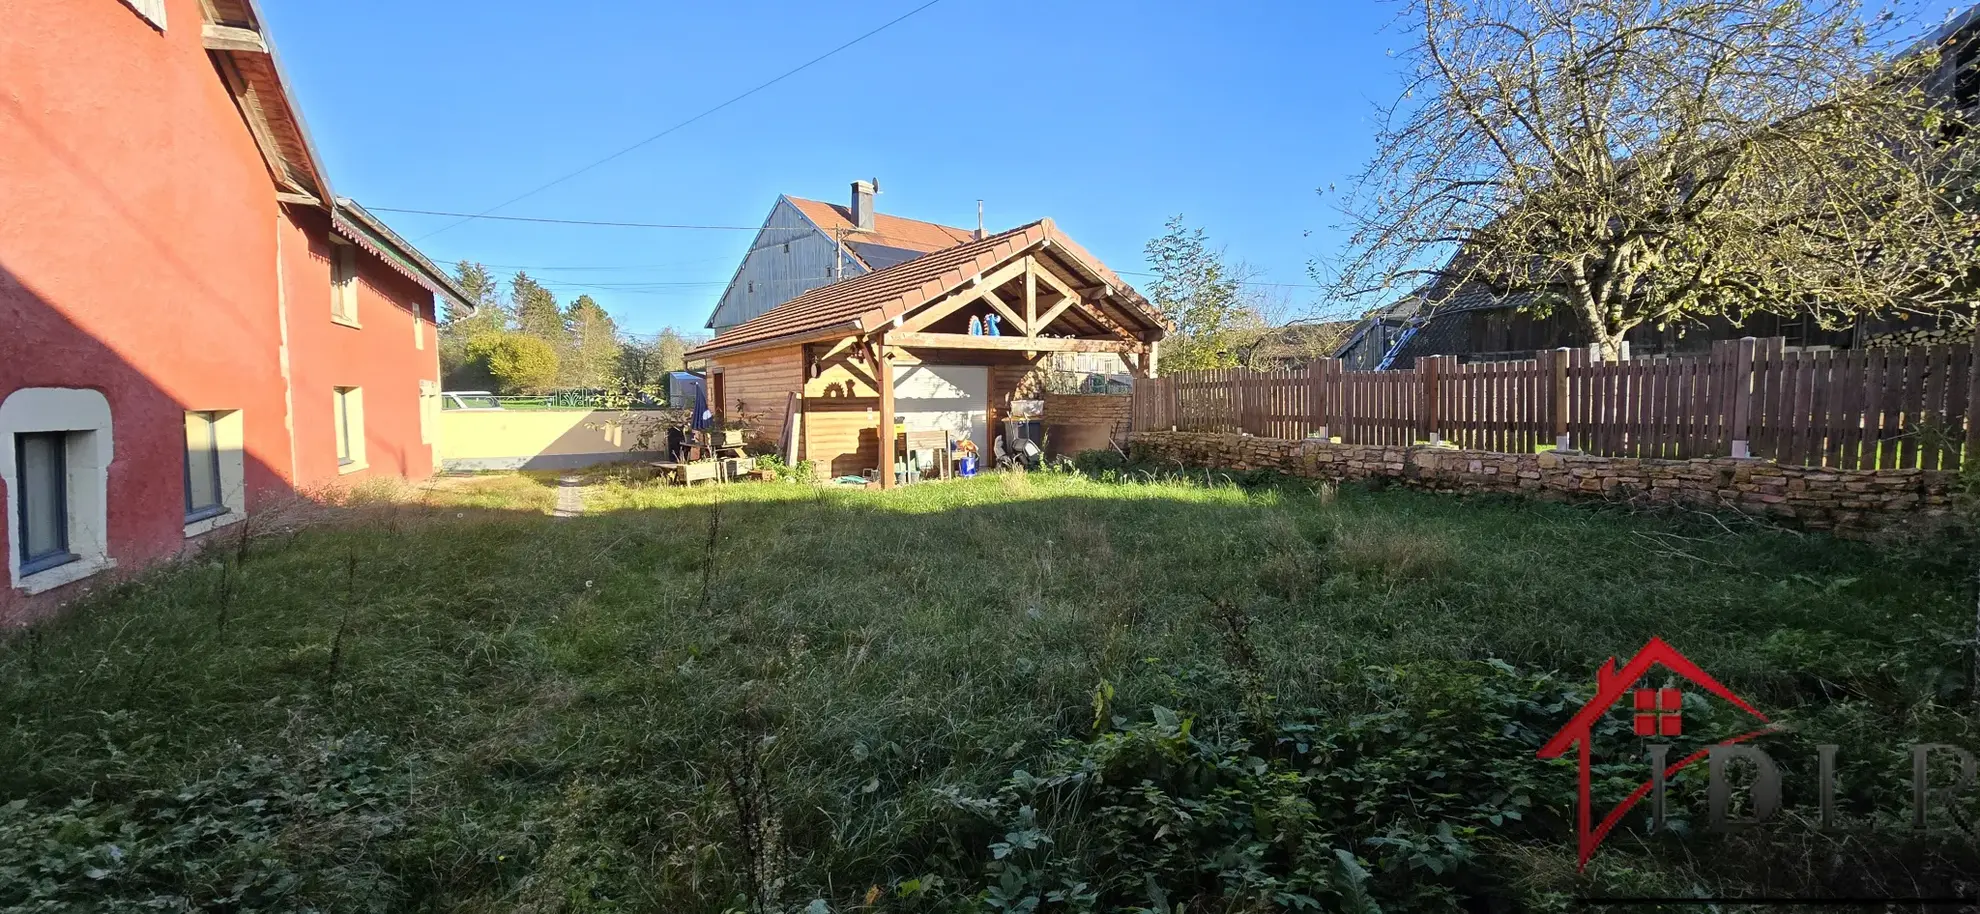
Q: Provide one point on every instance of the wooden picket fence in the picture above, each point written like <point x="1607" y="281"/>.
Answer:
<point x="1847" y="409"/>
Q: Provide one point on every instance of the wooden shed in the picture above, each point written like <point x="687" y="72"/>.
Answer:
<point x="895" y="346"/>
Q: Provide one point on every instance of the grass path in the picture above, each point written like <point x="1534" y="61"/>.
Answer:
<point x="570" y="496"/>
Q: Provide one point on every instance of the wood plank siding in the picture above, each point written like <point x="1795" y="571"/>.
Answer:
<point x="789" y="257"/>
<point x="839" y="409"/>
<point x="756" y="387"/>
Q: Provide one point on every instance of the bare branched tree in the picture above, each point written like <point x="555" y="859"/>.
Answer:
<point x="1660" y="161"/>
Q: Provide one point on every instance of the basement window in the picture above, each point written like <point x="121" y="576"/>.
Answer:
<point x="41" y="459"/>
<point x="216" y="491"/>
<point x="54" y="462"/>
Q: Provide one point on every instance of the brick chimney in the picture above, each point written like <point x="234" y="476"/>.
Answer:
<point x="862" y="203"/>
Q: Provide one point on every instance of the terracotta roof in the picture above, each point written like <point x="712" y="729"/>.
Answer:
<point x="888" y="231"/>
<point x="865" y="303"/>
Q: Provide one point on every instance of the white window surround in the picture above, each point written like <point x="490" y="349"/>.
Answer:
<point x="347" y="418"/>
<point x="153" y="11"/>
<point x="231" y="440"/>
<point x="85" y="416"/>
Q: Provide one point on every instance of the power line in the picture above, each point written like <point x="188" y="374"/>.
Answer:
<point x="650" y="225"/>
<point x="600" y="268"/>
<point x="1241" y="282"/>
<point x="724" y="282"/>
<point x="779" y="78"/>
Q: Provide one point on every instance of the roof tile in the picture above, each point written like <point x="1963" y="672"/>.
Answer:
<point x="880" y="296"/>
<point x="888" y="231"/>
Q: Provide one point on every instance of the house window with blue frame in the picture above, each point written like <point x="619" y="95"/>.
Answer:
<point x="42" y="466"/>
<point x="204" y="497"/>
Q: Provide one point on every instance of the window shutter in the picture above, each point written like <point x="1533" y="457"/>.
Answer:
<point x="152" y="10"/>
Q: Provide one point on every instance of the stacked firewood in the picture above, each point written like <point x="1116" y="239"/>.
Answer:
<point x="1920" y="336"/>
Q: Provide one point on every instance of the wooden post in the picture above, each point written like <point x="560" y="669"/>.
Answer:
<point x="1030" y="298"/>
<point x="1426" y="367"/>
<point x="1972" y="455"/>
<point x="1319" y="372"/>
<point x="1742" y="399"/>
<point x="883" y="374"/>
<point x="793" y="428"/>
<point x="1236" y="380"/>
<point x="1557" y="396"/>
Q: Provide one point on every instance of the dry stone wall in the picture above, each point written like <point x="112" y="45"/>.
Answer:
<point x="1857" y="503"/>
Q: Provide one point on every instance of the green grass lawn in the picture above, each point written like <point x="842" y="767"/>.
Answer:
<point x="1016" y="690"/>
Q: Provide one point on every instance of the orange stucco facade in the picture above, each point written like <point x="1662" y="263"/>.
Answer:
<point x="144" y="255"/>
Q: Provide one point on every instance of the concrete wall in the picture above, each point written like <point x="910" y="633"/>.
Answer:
<point x="550" y="439"/>
<point x="1856" y="503"/>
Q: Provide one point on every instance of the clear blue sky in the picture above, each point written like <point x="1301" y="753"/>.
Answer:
<point x="1109" y="116"/>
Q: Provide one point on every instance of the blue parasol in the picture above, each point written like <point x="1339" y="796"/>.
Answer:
<point x="703" y="416"/>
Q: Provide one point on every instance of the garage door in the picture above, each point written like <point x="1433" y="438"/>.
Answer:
<point x="952" y="398"/>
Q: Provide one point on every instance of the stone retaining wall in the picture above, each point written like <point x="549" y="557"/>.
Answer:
<point x="1856" y="503"/>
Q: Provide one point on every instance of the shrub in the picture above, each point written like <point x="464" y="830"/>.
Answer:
<point x="802" y="471"/>
<point x="1316" y="810"/>
<point x="260" y="834"/>
<point x="1102" y="463"/>
<point x="519" y="363"/>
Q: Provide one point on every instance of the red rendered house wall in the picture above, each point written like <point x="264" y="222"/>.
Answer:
<point x="137" y="250"/>
<point x="139" y="236"/>
<point x="378" y="357"/>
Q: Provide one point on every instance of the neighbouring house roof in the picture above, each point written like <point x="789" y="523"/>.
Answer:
<point x="236" y="37"/>
<point x="912" y="235"/>
<point x="866" y="303"/>
<point x="1431" y="314"/>
<point x="1298" y="341"/>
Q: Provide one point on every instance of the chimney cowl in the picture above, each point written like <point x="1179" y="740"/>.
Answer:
<point x="862" y="204"/>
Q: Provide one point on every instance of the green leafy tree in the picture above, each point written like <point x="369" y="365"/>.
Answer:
<point x="645" y="363"/>
<point x="1203" y="298"/>
<point x="593" y="353"/>
<point x="670" y="349"/>
<point x="1668" y="162"/>
<point x="490" y="315"/>
<point x="638" y="368"/>
<point x="490" y="312"/>
<point x="537" y="314"/>
<point x="518" y="363"/>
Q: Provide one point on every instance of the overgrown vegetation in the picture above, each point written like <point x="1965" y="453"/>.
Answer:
<point x="1024" y="693"/>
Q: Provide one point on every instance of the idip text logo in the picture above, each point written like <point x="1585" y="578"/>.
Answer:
<point x="1658" y="714"/>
